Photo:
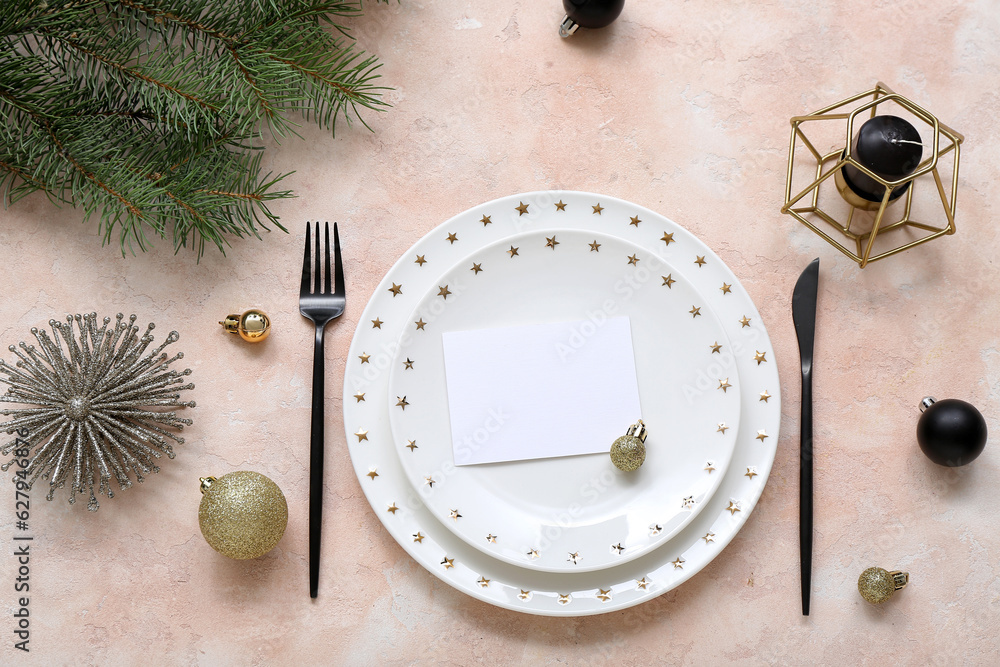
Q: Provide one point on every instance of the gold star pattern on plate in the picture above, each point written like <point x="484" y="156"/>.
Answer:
<point x="420" y="261"/>
<point x="574" y="557"/>
<point x="533" y="554"/>
<point x="476" y="268"/>
<point x="604" y="595"/>
<point x="418" y="536"/>
<point x="595" y="246"/>
<point x="751" y="472"/>
<point x="362" y="434"/>
<point x="700" y="261"/>
<point x="618" y="548"/>
<point x="722" y="428"/>
<point x="633" y="260"/>
<point x="491" y="538"/>
<point x="485" y="220"/>
<point x="634" y="221"/>
<point x="551" y="242"/>
<point x="392" y="509"/>
<point x="678" y="563"/>
<point x="724" y="385"/>
<point x="733" y="508"/>
<point x="695" y="311"/>
<point x="524" y="595"/>
<point x="655" y="529"/>
<point x="455" y="515"/>
<point x="372" y="473"/>
<point x="448" y="563"/>
<point x="688" y="502"/>
<point x="411" y="445"/>
<point x="401" y="402"/>
<point x="668" y="281"/>
<point x="640" y="584"/>
<point x="761" y="435"/>
<point x="598" y="208"/>
<point x="483" y="582"/>
<point x="522" y="209"/>
<point x="444" y="292"/>
<point x="726" y="288"/>
<point x="420" y="324"/>
<point x="560" y="206"/>
<point x="364" y="357"/>
<point x="452" y="238"/>
<point x="429" y="481"/>
<point x="716" y="348"/>
<point x="764" y="396"/>
<point x="708" y="537"/>
<point x="759" y="357"/>
<point x="377" y="323"/>
<point x="745" y="321"/>
<point x="408" y="365"/>
<point x="396" y="290"/>
<point x="709" y="467"/>
<point x="512" y="252"/>
<point x="668" y="238"/>
<point x="564" y="598"/>
<point x="360" y="396"/>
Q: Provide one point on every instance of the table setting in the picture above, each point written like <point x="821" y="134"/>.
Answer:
<point x="331" y="341"/>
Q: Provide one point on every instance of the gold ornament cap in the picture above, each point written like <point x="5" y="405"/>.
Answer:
<point x="629" y="451"/>
<point x="242" y="514"/>
<point x="877" y="585"/>
<point x="252" y="326"/>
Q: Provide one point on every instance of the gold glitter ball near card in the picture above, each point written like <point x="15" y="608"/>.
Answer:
<point x="101" y="405"/>
<point x="628" y="452"/>
<point x="242" y="514"/>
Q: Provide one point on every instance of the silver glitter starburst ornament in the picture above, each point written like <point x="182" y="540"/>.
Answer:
<point x="99" y="404"/>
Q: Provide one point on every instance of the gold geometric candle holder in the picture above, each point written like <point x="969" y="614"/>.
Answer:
<point x="855" y="226"/>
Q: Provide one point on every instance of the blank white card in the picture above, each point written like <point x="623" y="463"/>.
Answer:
<point x="540" y="391"/>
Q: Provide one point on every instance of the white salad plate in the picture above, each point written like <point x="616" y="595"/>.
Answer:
<point x="579" y="513"/>
<point x="378" y="455"/>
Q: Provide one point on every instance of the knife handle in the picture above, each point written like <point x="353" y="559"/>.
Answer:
<point x="806" y="490"/>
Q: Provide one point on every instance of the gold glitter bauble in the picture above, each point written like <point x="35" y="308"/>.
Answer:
<point x="877" y="585"/>
<point x="628" y="453"/>
<point x="242" y="514"/>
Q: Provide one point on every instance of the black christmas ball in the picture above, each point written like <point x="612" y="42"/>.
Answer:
<point x="589" y="14"/>
<point x="951" y="432"/>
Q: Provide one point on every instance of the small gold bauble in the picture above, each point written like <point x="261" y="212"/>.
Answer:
<point x="628" y="453"/>
<point x="877" y="585"/>
<point x="242" y="514"/>
<point x="252" y="326"/>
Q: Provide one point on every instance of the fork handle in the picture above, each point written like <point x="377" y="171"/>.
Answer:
<point x="316" y="463"/>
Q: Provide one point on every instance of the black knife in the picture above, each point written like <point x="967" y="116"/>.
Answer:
<point x="804" y="317"/>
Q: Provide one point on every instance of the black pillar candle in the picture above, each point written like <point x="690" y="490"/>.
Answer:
<point x="889" y="146"/>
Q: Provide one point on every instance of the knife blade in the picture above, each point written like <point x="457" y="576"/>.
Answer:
<point x="804" y="318"/>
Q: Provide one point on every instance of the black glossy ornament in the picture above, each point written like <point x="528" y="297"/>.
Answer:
<point x="951" y="432"/>
<point x="589" y="14"/>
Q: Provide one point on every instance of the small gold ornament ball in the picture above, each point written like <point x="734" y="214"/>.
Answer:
<point x="242" y="514"/>
<point x="628" y="453"/>
<point x="253" y="326"/>
<point x="876" y="585"/>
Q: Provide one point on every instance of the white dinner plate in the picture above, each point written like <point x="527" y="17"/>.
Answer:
<point x="401" y="509"/>
<point x="577" y="513"/>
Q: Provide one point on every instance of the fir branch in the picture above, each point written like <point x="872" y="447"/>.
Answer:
<point x="149" y="113"/>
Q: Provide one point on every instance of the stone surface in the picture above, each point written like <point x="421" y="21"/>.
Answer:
<point x="682" y="107"/>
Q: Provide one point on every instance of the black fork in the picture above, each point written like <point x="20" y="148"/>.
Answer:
<point x="321" y="304"/>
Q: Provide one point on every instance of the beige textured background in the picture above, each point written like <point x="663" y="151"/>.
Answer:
<point x="681" y="106"/>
